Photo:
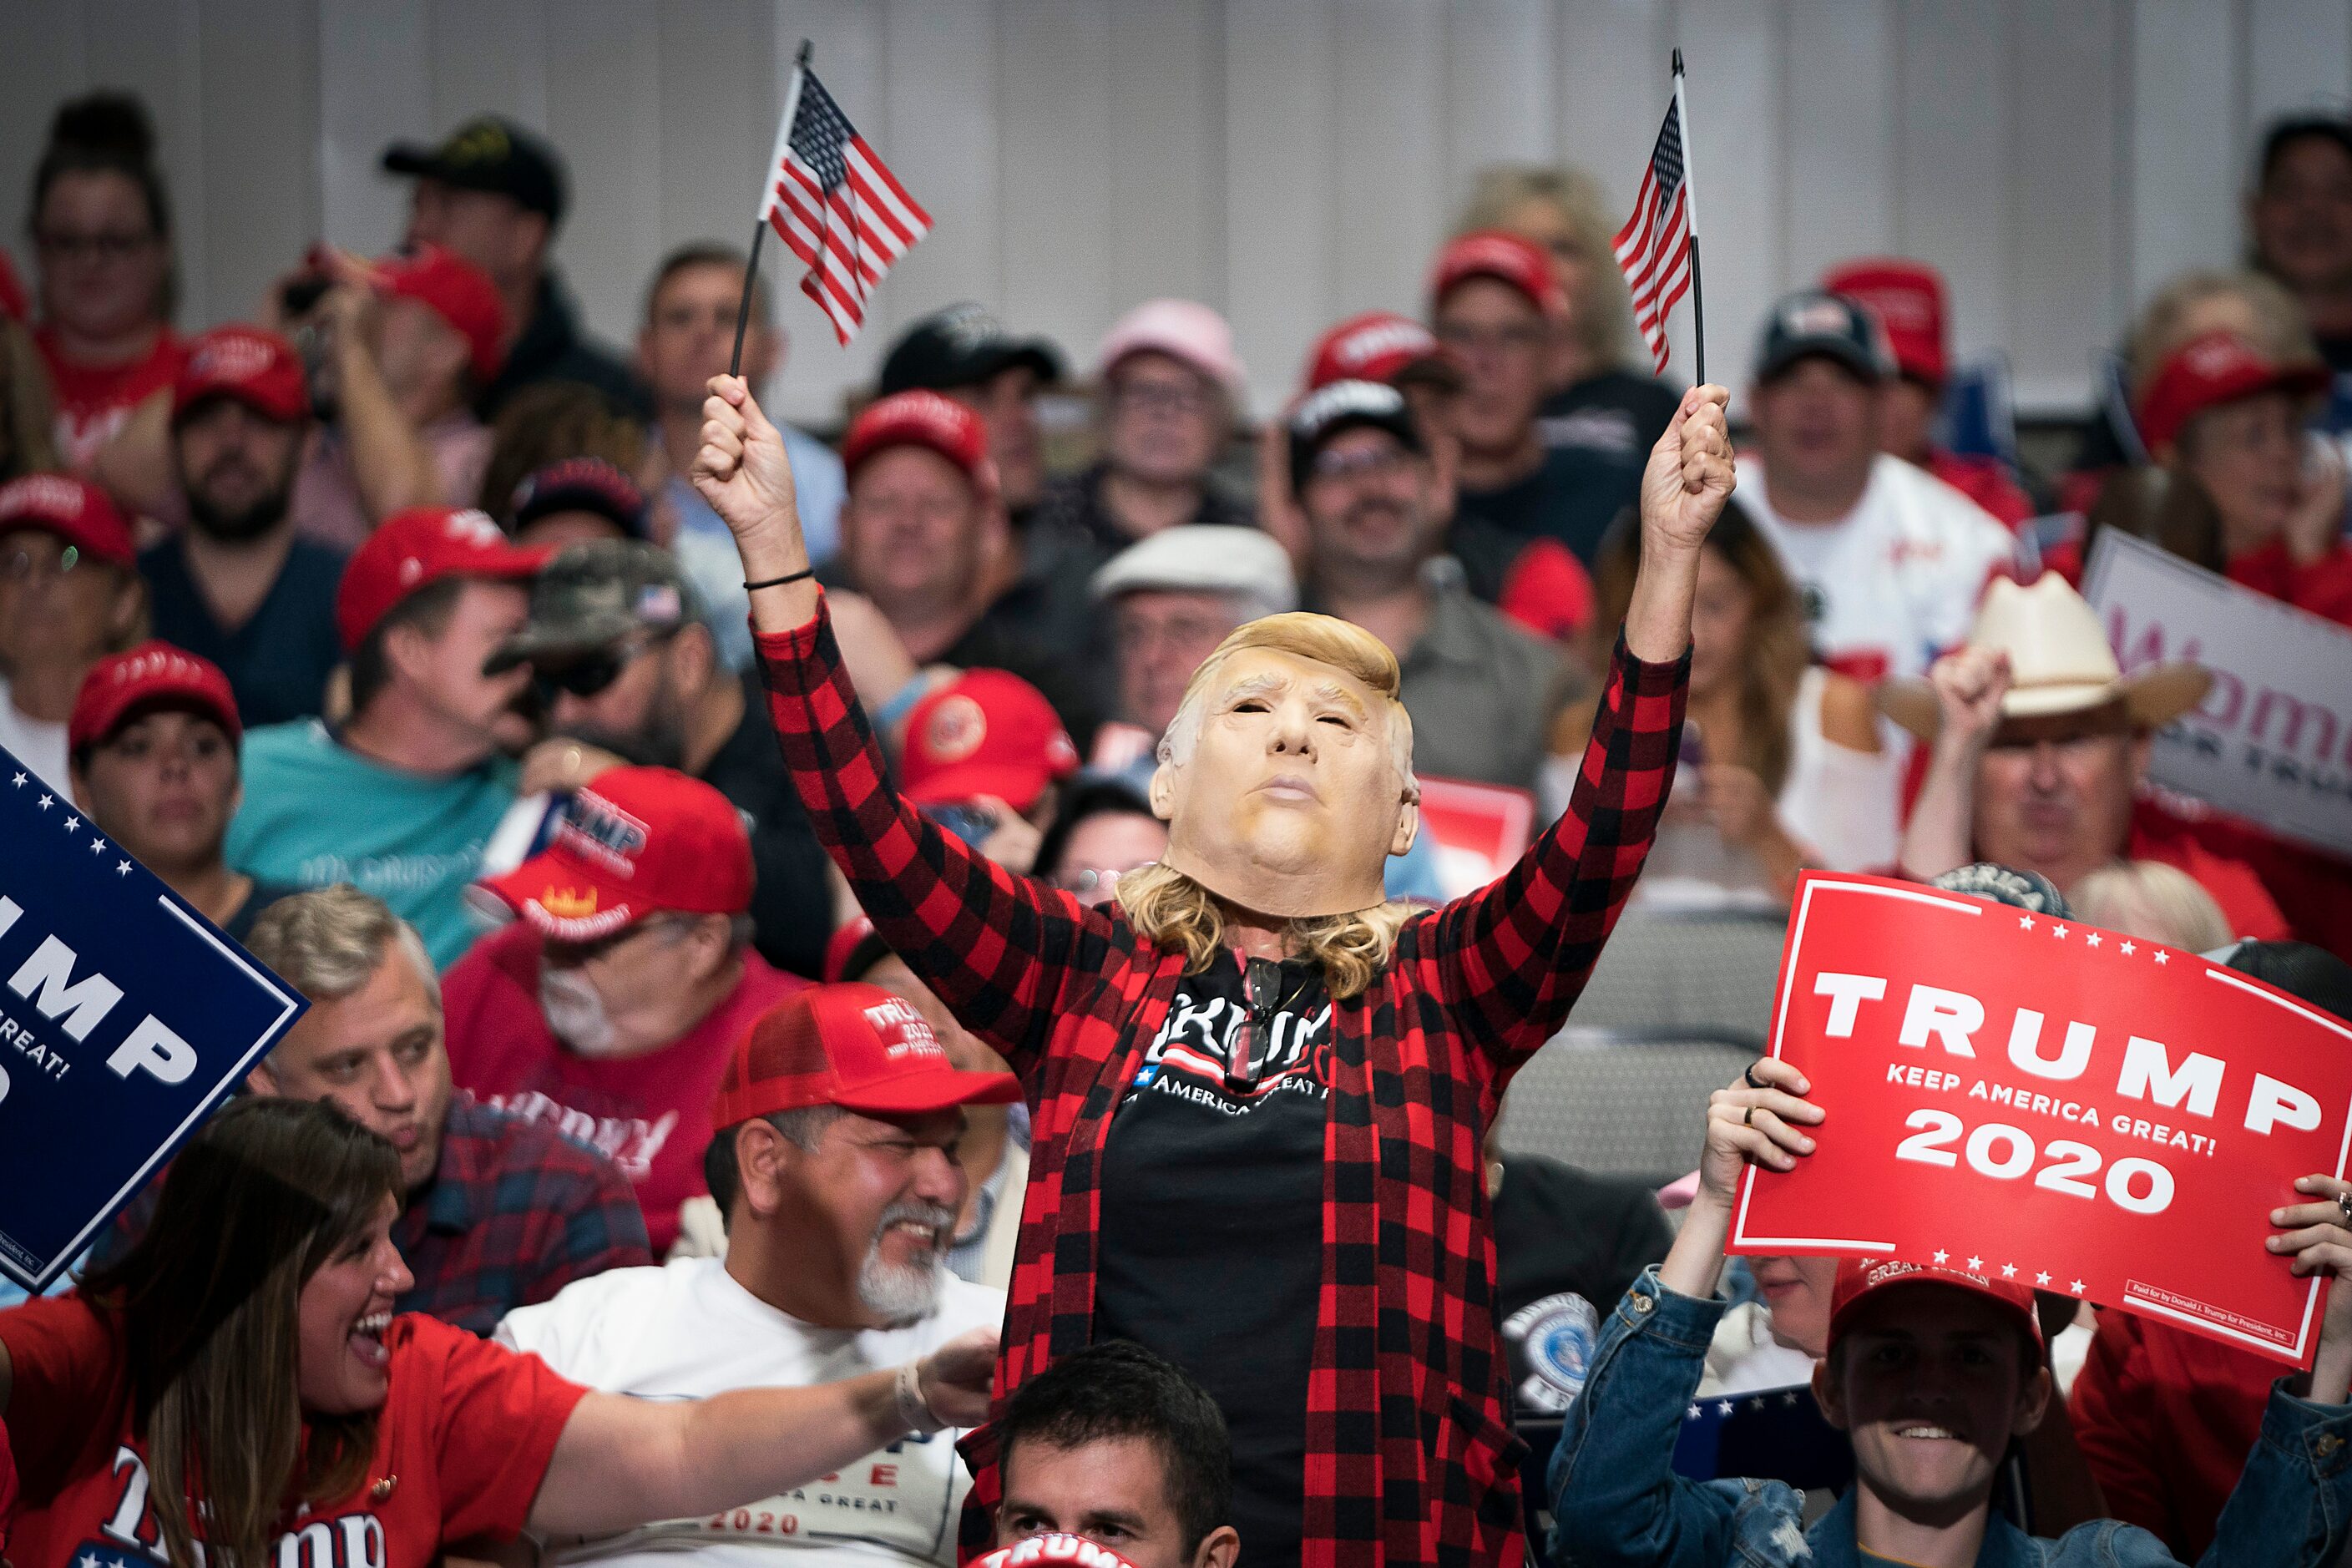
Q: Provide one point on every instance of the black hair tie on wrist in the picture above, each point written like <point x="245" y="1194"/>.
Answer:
<point x="779" y="581"/>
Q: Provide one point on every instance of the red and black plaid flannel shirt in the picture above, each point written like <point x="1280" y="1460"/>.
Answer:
<point x="1409" y="1459"/>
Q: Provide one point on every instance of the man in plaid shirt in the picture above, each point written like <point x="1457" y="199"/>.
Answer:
<point x="1400" y="1041"/>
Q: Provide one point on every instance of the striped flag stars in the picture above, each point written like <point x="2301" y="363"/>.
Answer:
<point x="1654" y="248"/>
<point x="836" y="205"/>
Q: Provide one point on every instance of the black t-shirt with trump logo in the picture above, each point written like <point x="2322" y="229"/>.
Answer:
<point x="1212" y="1241"/>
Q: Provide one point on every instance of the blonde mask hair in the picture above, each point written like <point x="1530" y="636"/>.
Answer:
<point x="1176" y="908"/>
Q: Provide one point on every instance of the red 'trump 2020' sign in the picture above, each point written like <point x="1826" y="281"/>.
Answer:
<point x="2050" y="1104"/>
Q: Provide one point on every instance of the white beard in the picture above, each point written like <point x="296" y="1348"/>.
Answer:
<point x="574" y="1013"/>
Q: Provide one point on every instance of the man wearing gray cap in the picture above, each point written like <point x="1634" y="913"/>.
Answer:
<point x="628" y="672"/>
<point x="1481" y="690"/>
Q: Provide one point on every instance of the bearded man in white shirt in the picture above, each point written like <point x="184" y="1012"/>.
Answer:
<point x="834" y="1164"/>
<point x="1889" y="558"/>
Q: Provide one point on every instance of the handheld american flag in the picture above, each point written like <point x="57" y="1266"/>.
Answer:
<point x="1658" y="247"/>
<point x="836" y="204"/>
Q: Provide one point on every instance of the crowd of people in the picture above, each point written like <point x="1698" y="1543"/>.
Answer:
<point x="914" y="955"/>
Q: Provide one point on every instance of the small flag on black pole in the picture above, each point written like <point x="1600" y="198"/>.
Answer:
<point x="833" y="202"/>
<point x="1658" y="247"/>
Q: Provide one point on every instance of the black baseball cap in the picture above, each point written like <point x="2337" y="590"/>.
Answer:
<point x="1345" y="405"/>
<point x="1813" y="323"/>
<point x="578" y="484"/>
<point x="962" y="345"/>
<point x="2029" y="890"/>
<point x="2311" y="973"/>
<point x="489" y="153"/>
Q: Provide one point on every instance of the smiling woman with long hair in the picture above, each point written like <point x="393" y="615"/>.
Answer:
<point x="239" y="1378"/>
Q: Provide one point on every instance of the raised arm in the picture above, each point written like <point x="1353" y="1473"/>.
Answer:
<point x="1514" y="957"/>
<point x="998" y="949"/>
<point x="622" y="1462"/>
<point x="1941" y="835"/>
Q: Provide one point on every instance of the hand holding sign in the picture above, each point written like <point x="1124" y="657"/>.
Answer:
<point x="2055" y="1106"/>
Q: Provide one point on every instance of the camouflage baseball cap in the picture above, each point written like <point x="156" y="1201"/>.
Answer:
<point x="596" y="593"/>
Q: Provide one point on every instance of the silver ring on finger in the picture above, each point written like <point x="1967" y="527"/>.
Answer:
<point x="2344" y="1207"/>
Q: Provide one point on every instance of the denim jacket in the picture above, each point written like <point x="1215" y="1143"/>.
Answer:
<point x="1616" y="1499"/>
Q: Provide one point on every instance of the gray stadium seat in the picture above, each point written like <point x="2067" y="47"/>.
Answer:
<point x="1712" y="972"/>
<point x="1622" y="1102"/>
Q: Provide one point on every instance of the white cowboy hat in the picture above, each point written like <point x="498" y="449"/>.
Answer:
<point x="2059" y="662"/>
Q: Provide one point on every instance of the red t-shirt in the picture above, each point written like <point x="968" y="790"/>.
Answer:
<point x="650" y="1113"/>
<point x="2156" y="835"/>
<point x="2166" y="1418"/>
<point x="93" y="400"/>
<point x="1984" y="481"/>
<point x="462" y="1443"/>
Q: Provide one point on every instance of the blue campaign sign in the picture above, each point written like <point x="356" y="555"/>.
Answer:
<point x="125" y="1018"/>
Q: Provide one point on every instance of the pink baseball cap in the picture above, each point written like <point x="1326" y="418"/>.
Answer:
<point x="1180" y="329"/>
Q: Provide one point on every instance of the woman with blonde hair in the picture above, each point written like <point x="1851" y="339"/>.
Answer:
<point x="1597" y="401"/>
<point x="1784" y="765"/>
<point x="1258" y="1089"/>
<point x="2151" y="900"/>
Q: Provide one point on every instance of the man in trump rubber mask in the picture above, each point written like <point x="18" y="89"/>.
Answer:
<point x="1258" y="1089"/>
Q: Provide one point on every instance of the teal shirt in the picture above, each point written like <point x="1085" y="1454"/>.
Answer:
<point x="317" y="811"/>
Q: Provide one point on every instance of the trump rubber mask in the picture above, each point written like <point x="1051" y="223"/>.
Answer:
<point x="1287" y="777"/>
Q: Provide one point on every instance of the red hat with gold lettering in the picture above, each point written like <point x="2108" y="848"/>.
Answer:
<point x="152" y="675"/>
<point x="1858" y="1278"/>
<point x="984" y="732"/>
<point x="635" y="842"/>
<point x="423" y="544"/>
<point x="854" y="1045"/>
<point x="74" y="510"/>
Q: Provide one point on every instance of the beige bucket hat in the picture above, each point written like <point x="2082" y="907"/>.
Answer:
<point x="2059" y="662"/>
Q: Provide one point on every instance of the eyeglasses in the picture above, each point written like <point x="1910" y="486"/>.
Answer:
<point x="1087" y="880"/>
<point x="1160" y="397"/>
<point x="24" y="562"/>
<point x="112" y="245"/>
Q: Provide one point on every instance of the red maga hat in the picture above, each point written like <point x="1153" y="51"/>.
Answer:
<point x="1379" y="345"/>
<point x="74" y="510"/>
<point x="1908" y="299"/>
<point x="256" y="368"/>
<point x="154" y="674"/>
<point x="458" y="291"/>
<point x="1499" y="254"/>
<point x="1053" y="1551"/>
<point x="2211" y="369"/>
<point x="854" y="1045"/>
<point x="1860" y="1277"/>
<point x="423" y="544"/>
<point x="917" y="418"/>
<point x="984" y="732"/>
<point x="634" y="842"/>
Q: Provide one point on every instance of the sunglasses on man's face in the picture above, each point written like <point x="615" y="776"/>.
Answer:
<point x="585" y="677"/>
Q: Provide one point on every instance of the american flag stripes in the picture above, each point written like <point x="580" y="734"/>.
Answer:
<point x="1657" y="249"/>
<point x="836" y="205"/>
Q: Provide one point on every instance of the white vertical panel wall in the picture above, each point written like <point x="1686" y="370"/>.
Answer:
<point x="1289" y="161"/>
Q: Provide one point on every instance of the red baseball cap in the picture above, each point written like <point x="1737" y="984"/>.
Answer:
<point x="2210" y="369"/>
<point x="423" y="544"/>
<point x="1048" y="1551"/>
<point x="256" y="368"/>
<point x="458" y="291"/>
<point x="854" y="1045"/>
<point x="634" y="842"/>
<point x="917" y="418"/>
<point x="1498" y="253"/>
<point x="1908" y="298"/>
<point x="74" y="510"/>
<point x="984" y="732"/>
<point x="1859" y="1277"/>
<point x="1379" y="345"/>
<point x="154" y="674"/>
